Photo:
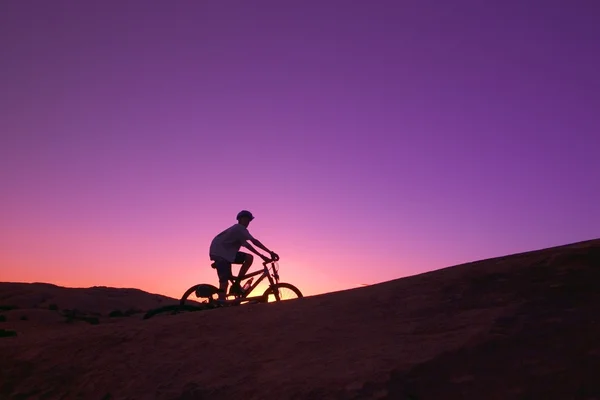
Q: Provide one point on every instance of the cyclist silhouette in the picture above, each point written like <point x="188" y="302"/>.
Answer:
<point x="224" y="251"/>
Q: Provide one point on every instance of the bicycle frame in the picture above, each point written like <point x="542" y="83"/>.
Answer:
<point x="265" y="273"/>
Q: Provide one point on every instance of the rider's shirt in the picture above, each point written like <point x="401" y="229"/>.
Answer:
<point x="227" y="243"/>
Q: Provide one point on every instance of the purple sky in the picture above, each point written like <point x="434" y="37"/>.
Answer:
<point x="372" y="139"/>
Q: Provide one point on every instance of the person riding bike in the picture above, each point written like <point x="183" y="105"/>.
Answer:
<point x="224" y="251"/>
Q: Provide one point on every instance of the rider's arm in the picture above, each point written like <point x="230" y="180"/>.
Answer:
<point x="260" y="245"/>
<point x="253" y="250"/>
<point x="246" y="236"/>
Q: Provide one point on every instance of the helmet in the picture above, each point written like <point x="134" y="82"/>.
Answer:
<point x="245" y="213"/>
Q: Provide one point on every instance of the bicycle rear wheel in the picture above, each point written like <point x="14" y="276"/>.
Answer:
<point x="281" y="292"/>
<point x="203" y="292"/>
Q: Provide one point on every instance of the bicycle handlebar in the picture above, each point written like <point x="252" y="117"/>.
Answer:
<point x="272" y="260"/>
<point x="269" y="262"/>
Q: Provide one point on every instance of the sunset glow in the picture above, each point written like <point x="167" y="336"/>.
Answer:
<point x="371" y="140"/>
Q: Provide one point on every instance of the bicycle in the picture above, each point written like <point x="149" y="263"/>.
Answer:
<point x="209" y="293"/>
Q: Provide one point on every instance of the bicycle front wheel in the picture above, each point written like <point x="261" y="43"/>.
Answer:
<point x="280" y="292"/>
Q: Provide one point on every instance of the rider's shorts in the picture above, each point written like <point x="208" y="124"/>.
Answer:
<point x="224" y="267"/>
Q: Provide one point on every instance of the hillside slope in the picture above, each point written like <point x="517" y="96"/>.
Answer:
<point x="523" y="326"/>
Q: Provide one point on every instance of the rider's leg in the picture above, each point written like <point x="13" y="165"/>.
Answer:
<point x="249" y="258"/>
<point x="241" y="258"/>
<point x="222" y="293"/>
<point x="224" y="272"/>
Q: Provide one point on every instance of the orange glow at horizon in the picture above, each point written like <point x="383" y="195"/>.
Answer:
<point x="155" y="275"/>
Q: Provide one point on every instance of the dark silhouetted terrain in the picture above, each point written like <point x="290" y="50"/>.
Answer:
<point x="524" y="326"/>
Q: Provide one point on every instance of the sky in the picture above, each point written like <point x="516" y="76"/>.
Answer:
<point x="372" y="140"/>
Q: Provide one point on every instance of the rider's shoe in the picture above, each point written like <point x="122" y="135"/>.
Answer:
<point x="236" y="289"/>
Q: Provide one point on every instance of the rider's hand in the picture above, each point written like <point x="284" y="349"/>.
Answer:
<point x="274" y="256"/>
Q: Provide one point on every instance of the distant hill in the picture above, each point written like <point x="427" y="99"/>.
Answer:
<point x="97" y="300"/>
<point x="524" y="326"/>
